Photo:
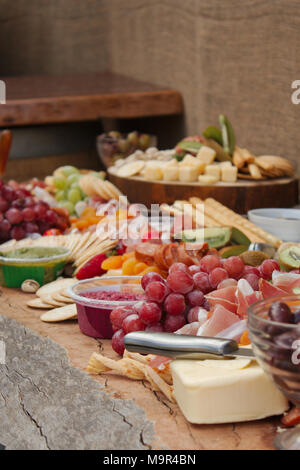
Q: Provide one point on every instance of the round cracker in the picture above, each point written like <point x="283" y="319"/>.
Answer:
<point x="38" y="303"/>
<point x="131" y="169"/>
<point x="48" y="299"/>
<point x="55" y="286"/>
<point x="60" y="298"/>
<point x="100" y="189"/>
<point x="68" y="312"/>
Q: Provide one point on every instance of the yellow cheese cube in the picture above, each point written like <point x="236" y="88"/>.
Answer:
<point x="213" y="170"/>
<point x="229" y="174"/>
<point x="172" y="162"/>
<point x="206" y="155"/>
<point x="170" y="173"/>
<point x="225" y="164"/>
<point x="188" y="173"/>
<point x="189" y="160"/>
<point x="153" y="173"/>
<point x="207" y="179"/>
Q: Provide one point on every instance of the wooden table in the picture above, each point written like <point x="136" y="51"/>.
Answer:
<point x="162" y="426"/>
<point x="45" y="99"/>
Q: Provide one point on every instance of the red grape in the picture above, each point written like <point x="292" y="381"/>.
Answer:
<point x="118" y="314"/>
<point x="234" y="266"/>
<point x="17" y="232"/>
<point x="194" y="269"/>
<point x="18" y="204"/>
<point x="150" y="277"/>
<point x="178" y="267"/>
<point x="31" y="227"/>
<point x="1" y="217"/>
<point x="40" y="211"/>
<point x="156" y="328"/>
<point x="149" y="313"/>
<point x="3" y="205"/>
<point x="251" y="270"/>
<point x="180" y="282"/>
<point x="132" y="323"/>
<point x="29" y="201"/>
<point x="5" y="226"/>
<point x="8" y="193"/>
<point x="195" y="298"/>
<point x="28" y="214"/>
<point x="253" y="280"/>
<point x="156" y="291"/>
<point x="201" y="281"/>
<point x="51" y="217"/>
<point x="14" y="216"/>
<point x="216" y="276"/>
<point x="175" y="304"/>
<point x="206" y="305"/>
<point x="267" y="267"/>
<point x="210" y="262"/>
<point x="117" y="342"/>
<point x="1" y="183"/>
<point x="173" y="323"/>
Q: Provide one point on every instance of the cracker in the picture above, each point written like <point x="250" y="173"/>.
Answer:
<point x="48" y="299"/>
<point x="68" y="312"/>
<point x="114" y="191"/>
<point x="38" y="303"/>
<point x="61" y="298"/>
<point x="131" y="169"/>
<point x="55" y="286"/>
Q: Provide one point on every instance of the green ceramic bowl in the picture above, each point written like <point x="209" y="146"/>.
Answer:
<point x="39" y="263"/>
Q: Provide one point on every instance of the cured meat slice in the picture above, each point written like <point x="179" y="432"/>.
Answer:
<point x="145" y="252"/>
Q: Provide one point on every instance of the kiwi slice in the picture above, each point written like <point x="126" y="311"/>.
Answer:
<point x="254" y="258"/>
<point x="239" y="237"/>
<point x="290" y="258"/>
<point x="216" y="237"/>
<point x="235" y="250"/>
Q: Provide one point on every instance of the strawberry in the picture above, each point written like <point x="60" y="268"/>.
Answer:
<point x="92" y="268"/>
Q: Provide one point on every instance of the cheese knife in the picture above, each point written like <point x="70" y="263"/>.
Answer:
<point x="184" y="346"/>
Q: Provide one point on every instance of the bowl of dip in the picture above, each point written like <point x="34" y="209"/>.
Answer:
<point x="95" y="299"/>
<point x="43" y="264"/>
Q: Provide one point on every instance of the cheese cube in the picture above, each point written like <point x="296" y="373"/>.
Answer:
<point x="225" y="391"/>
<point x="213" y="170"/>
<point x="172" y="162"/>
<point x="206" y="155"/>
<point x="229" y="174"/>
<point x="207" y="179"/>
<point x="225" y="164"/>
<point x="188" y="173"/>
<point x="189" y="160"/>
<point x="153" y="173"/>
<point x="170" y="173"/>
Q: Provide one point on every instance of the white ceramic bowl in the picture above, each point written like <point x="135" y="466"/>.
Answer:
<point x="283" y="223"/>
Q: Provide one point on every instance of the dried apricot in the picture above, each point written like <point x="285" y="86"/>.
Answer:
<point x="139" y="267"/>
<point x="128" y="267"/>
<point x="113" y="262"/>
<point x="244" y="341"/>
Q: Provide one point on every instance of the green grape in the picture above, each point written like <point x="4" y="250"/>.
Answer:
<point x="60" y="195"/>
<point x="60" y="182"/>
<point x="74" y="195"/>
<point x="67" y="205"/>
<point x="69" y="170"/>
<point x="73" y="178"/>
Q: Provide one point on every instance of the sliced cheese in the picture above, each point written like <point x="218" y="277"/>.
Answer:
<point x="225" y="391"/>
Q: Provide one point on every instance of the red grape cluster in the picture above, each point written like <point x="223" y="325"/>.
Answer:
<point x="179" y="299"/>
<point x="22" y="214"/>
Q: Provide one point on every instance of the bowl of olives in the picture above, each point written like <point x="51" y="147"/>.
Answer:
<point x="274" y="327"/>
<point x="113" y="145"/>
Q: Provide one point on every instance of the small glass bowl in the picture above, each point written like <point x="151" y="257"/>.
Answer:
<point x="277" y="349"/>
<point x="93" y="314"/>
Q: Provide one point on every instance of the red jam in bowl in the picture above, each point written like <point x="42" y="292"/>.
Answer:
<point x="94" y="305"/>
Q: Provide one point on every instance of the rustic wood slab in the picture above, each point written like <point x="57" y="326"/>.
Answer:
<point x="241" y="196"/>
<point x="170" y="429"/>
<point x="44" y="99"/>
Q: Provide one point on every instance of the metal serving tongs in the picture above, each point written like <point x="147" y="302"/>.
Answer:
<point x="184" y="346"/>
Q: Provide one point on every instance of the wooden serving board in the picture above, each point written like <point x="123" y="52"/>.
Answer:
<point x="241" y="196"/>
<point x="171" y="429"/>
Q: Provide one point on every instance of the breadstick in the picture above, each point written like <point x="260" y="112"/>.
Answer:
<point x="237" y="219"/>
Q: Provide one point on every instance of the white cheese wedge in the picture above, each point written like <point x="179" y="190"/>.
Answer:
<point x="225" y="391"/>
<point x="206" y="155"/>
<point x="229" y="174"/>
<point x="213" y="170"/>
<point x="188" y="174"/>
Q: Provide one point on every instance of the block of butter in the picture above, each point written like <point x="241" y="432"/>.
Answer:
<point x="225" y="391"/>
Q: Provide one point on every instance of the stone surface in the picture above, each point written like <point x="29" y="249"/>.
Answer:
<point x="45" y="403"/>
